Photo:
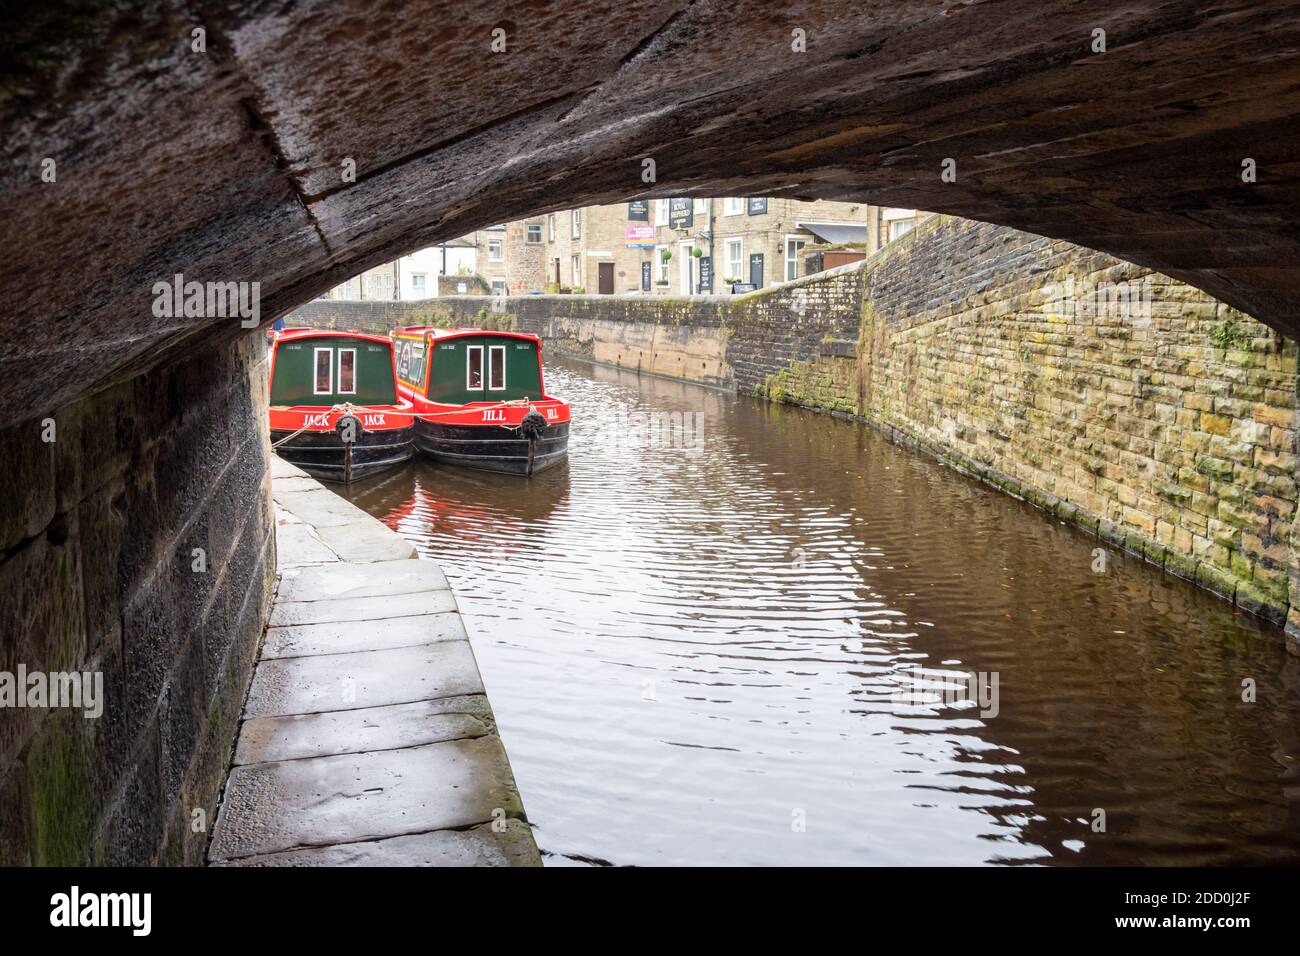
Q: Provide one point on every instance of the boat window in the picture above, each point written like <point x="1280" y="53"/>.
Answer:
<point x="496" y="368"/>
<point x="403" y="358"/>
<point x="474" y="366"/>
<point x="416" y="371"/>
<point x="347" y="371"/>
<point x="324" y="384"/>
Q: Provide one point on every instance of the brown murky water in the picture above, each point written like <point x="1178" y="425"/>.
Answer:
<point x="744" y="651"/>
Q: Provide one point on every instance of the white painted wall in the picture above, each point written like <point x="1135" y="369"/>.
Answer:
<point x="428" y="263"/>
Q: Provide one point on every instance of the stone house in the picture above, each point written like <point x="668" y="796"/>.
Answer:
<point x="687" y="246"/>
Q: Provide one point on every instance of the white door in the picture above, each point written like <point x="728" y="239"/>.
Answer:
<point x="687" y="268"/>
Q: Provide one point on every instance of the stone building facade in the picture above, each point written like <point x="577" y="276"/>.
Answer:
<point x="648" y="247"/>
<point x="688" y="246"/>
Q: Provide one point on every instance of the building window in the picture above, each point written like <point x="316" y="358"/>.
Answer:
<point x="533" y="232"/>
<point x="701" y="207"/>
<point x="474" y="367"/>
<point x="496" y="368"/>
<point x="733" y="206"/>
<point x="577" y="223"/>
<point x="735" y="260"/>
<point x="498" y="286"/>
<point x="661" y="264"/>
<point x="900" y="227"/>
<point x="577" y="270"/>
<point x="494" y="250"/>
<point x="792" y="249"/>
<point x="347" y="371"/>
<point x="324" y="381"/>
<point x="550" y="227"/>
<point x="661" y="212"/>
<point x="417" y="283"/>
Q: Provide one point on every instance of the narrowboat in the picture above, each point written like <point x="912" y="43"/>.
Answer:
<point x="335" y="409"/>
<point x="480" y="400"/>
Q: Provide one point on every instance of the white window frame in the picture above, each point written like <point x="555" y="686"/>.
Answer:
<point x="661" y="212"/>
<point x="550" y="227"/>
<point x="739" y="262"/>
<point x="575" y="270"/>
<point x="733" y="206"/>
<point x="528" y="227"/>
<point x="907" y="224"/>
<point x="500" y="254"/>
<point x="786" y="271"/>
<point x="575" y="218"/>
<point x="700" y="207"/>
<point x="661" y="265"/>
<point x="481" y="371"/>
<point x="339" y="379"/>
<point x="492" y="349"/>
<point x="315" y="371"/>
<point x="419" y="282"/>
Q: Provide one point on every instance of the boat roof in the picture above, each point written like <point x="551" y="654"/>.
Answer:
<point x="289" y="335"/>
<point x="438" y="333"/>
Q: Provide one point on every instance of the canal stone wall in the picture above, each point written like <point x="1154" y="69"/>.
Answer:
<point x="1032" y="364"/>
<point x="99" y="573"/>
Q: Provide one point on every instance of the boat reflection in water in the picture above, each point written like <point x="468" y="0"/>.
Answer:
<point x="482" y="508"/>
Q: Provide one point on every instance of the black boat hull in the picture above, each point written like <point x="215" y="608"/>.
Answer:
<point x="491" y="447"/>
<point x="320" y="454"/>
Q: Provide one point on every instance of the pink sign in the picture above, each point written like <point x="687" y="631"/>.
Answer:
<point x="643" y="233"/>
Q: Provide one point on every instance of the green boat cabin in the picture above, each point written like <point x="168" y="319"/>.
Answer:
<point x="470" y="368"/>
<point x="331" y="370"/>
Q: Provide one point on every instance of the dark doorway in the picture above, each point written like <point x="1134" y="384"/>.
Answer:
<point x="605" y="278"/>
<point x="756" y="270"/>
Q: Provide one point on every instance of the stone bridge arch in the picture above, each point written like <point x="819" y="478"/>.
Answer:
<point x="227" y="164"/>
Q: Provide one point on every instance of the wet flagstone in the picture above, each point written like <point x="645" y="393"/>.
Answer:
<point x="367" y="738"/>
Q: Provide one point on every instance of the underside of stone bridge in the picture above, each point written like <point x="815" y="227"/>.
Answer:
<point x="229" y="164"/>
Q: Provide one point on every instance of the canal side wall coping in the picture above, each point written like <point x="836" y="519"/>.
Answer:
<point x="1167" y="431"/>
<point x="136" y="545"/>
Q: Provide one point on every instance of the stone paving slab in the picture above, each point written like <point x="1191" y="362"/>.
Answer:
<point x="349" y="798"/>
<point x="398" y="675"/>
<point x="297" y="545"/>
<point x="286" y="613"/>
<point x="266" y="739"/>
<point x="367" y="738"/>
<point x="477" y="846"/>
<point x="361" y="580"/>
<point x="343" y="637"/>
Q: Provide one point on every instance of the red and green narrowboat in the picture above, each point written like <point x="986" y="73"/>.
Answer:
<point x="480" y="400"/>
<point x="335" y="409"/>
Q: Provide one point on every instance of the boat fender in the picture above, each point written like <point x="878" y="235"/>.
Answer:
<point x="533" y="426"/>
<point x="349" y="428"/>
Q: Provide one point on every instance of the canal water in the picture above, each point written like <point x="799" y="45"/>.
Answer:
<point x="729" y="632"/>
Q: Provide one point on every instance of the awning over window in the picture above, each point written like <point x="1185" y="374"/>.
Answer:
<point x="836" y="233"/>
